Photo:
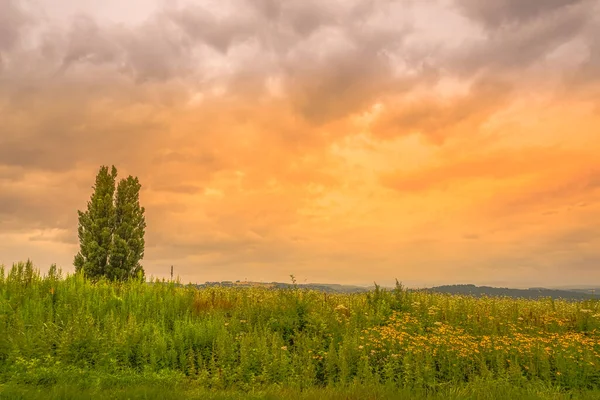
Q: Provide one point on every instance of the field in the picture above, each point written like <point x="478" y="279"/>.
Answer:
<point x="65" y="337"/>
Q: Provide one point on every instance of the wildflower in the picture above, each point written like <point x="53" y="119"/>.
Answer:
<point x="283" y="347"/>
<point x="361" y="347"/>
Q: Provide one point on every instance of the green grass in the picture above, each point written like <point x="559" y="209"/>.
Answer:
<point x="66" y="337"/>
<point x="482" y="391"/>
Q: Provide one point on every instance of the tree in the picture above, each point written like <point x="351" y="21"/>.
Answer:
<point x="128" y="237"/>
<point x="111" y="230"/>
<point x="96" y="226"/>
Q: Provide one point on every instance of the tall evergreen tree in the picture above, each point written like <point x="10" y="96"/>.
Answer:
<point x="111" y="231"/>
<point x="96" y="226"/>
<point x="130" y="225"/>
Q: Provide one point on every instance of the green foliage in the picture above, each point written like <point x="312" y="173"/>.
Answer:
<point x="96" y="226"/>
<point x="128" y="239"/>
<point x="68" y="331"/>
<point x="111" y="230"/>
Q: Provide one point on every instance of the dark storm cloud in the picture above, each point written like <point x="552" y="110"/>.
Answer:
<point x="319" y="49"/>
<point x="165" y="46"/>
<point x="493" y="14"/>
<point x="318" y="52"/>
<point x="519" y="34"/>
<point x="347" y="63"/>
<point x="152" y="51"/>
<point x="200" y="25"/>
<point x="341" y="79"/>
<point x="88" y="42"/>
<point x="13" y="20"/>
<point x="590" y="70"/>
<point x="156" y="51"/>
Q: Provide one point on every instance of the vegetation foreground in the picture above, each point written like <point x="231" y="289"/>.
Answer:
<point x="72" y="338"/>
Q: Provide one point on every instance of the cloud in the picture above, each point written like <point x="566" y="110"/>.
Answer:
<point x="87" y="42"/>
<point x="63" y="236"/>
<point x="341" y="81"/>
<point x="481" y="166"/>
<point x="588" y="75"/>
<point x="553" y="195"/>
<point x="11" y="174"/>
<point x="199" y="24"/>
<point x="76" y="114"/>
<point x="439" y="118"/>
<point x="38" y="201"/>
<point x="13" y="20"/>
<point x="503" y="12"/>
<point x="307" y="137"/>
<point x="519" y="35"/>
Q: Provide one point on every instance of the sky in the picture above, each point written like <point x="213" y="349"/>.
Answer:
<point x="341" y="141"/>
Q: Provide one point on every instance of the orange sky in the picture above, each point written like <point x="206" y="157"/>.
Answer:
<point x="437" y="142"/>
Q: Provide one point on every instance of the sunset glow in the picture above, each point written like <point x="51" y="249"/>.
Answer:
<point x="437" y="142"/>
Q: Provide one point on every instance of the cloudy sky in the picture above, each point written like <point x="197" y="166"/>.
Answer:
<point x="349" y="141"/>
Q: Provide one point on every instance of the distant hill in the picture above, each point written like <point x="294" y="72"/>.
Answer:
<point x="592" y="291"/>
<point x="532" y="293"/>
<point x="322" y="287"/>
<point x="327" y="287"/>
<point x="476" y="291"/>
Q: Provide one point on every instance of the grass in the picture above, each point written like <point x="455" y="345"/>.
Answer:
<point x="66" y="337"/>
<point x="480" y="391"/>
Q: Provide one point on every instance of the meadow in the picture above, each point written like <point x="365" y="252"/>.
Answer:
<point x="67" y="337"/>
